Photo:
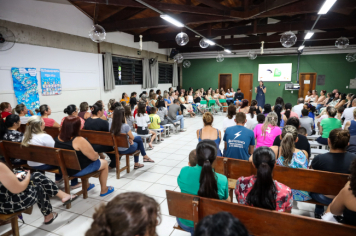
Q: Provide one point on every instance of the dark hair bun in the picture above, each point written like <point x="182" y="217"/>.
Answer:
<point x="65" y="110"/>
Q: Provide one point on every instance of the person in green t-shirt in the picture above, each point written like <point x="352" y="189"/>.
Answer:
<point x="213" y="185"/>
<point x="327" y="125"/>
<point x="154" y="118"/>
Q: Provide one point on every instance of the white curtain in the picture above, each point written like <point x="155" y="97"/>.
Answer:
<point x="109" y="79"/>
<point x="154" y="74"/>
<point x="175" y="75"/>
<point x="147" y="82"/>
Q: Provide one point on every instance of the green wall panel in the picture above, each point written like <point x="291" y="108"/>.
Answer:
<point x="205" y="73"/>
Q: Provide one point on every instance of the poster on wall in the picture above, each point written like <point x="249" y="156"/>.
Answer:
<point x="51" y="82"/>
<point x="25" y="87"/>
<point x="275" y="72"/>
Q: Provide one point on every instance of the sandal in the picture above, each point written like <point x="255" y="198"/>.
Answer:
<point x="91" y="186"/>
<point x="110" y="190"/>
<point x="148" y="160"/>
<point x="54" y="217"/>
<point x="139" y="166"/>
<point x="72" y="199"/>
<point x="78" y="185"/>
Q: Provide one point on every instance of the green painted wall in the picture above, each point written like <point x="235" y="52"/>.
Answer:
<point x="205" y="73"/>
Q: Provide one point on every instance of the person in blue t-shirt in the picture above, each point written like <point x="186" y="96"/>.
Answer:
<point x="239" y="140"/>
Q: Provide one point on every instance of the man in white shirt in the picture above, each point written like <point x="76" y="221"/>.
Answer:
<point x="349" y="112"/>
<point x="298" y="108"/>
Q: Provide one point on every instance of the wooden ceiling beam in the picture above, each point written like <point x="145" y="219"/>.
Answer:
<point x="268" y="39"/>
<point x="270" y="28"/>
<point x="157" y="22"/>
<point x="169" y="7"/>
<point x="266" y="46"/>
<point x="213" y="4"/>
<point x="266" y="6"/>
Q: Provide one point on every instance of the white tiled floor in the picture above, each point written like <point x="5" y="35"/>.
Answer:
<point x="153" y="179"/>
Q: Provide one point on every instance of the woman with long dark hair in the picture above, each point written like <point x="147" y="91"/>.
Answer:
<point x="135" y="143"/>
<point x="281" y="118"/>
<point x="279" y="101"/>
<point x="289" y="113"/>
<point x="266" y="109"/>
<point x="261" y="190"/>
<point x="202" y="180"/>
<point x="244" y="106"/>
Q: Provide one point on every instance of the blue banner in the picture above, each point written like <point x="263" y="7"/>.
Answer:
<point x="25" y="87"/>
<point x="51" y="82"/>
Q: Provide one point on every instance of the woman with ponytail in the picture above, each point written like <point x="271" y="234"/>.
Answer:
<point x="289" y="113"/>
<point x="202" y="180"/>
<point x="266" y="133"/>
<point x="281" y="118"/>
<point x="251" y="118"/>
<point x="46" y="111"/>
<point x="261" y="190"/>
<point x="72" y="112"/>
<point x="129" y="213"/>
<point x="289" y="156"/>
<point x="22" y="111"/>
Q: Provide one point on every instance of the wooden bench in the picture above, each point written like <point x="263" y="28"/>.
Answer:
<point x="108" y="139"/>
<point x="323" y="182"/>
<point x="64" y="159"/>
<point x="14" y="221"/>
<point x="257" y="221"/>
<point x="98" y="138"/>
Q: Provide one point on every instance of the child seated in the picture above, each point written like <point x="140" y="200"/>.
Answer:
<point x="155" y="120"/>
<point x="302" y="131"/>
<point x="193" y="158"/>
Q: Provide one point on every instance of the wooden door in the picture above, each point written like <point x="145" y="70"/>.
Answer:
<point x="307" y="81"/>
<point x="225" y="81"/>
<point x="245" y="84"/>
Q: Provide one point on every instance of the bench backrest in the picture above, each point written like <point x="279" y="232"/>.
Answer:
<point x="302" y="179"/>
<point x="52" y="131"/>
<point x="97" y="137"/>
<point x="258" y="221"/>
<point x="120" y="140"/>
<point x="45" y="155"/>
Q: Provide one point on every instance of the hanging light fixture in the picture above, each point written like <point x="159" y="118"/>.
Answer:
<point x="182" y="39"/>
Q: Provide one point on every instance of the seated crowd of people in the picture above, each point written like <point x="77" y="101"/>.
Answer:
<point x="265" y="136"/>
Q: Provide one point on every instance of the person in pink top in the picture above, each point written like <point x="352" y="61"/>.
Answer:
<point x="46" y="111"/>
<point x="289" y="113"/>
<point x="72" y="111"/>
<point x="266" y="133"/>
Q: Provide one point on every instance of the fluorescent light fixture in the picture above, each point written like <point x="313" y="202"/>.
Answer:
<point x="209" y="42"/>
<point x="227" y="50"/>
<point x="309" y="35"/>
<point x="326" y="6"/>
<point x="301" y="48"/>
<point x="171" y="20"/>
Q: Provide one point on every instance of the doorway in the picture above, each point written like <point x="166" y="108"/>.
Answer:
<point x="225" y="81"/>
<point x="307" y="81"/>
<point x="245" y="84"/>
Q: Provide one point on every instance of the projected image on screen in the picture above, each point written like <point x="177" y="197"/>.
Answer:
<point x="275" y="72"/>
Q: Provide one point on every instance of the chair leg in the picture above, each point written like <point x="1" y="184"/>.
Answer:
<point x="15" y="227"/>
<point x="67" y="190"/>
<point x="127" y="163"/>
<point x="85" y="186"/>
<point x="118" y="167"/>
<point x="231" y="194"/>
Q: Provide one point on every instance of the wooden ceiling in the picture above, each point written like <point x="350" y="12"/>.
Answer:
<point x="235" y="24"/>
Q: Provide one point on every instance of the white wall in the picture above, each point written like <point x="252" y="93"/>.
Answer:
<point x="63" y="18"/>
<point x="81" y="76"/>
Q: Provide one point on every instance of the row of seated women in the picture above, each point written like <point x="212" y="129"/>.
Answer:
<point x="88" y="155"/>
<point x="261" y="190"/>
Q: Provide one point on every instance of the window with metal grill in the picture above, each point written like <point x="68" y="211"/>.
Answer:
<point x="127" y="71"/>
<point x="165" y="73"/>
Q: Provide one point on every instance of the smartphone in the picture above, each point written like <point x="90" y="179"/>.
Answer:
<point x="21" y="173"/>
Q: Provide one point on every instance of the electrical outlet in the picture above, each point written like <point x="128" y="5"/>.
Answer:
<point x="291" y="91"/>
<point x="347" y="87"/>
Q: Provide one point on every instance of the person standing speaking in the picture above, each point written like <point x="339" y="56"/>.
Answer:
<point x="260" y="94"/>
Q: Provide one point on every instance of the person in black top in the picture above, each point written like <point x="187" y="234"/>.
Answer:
<point x="337" y="160"/>
<point x="97" y="124"/>
<point x="133" y="101"/>
<point x="238" y="95"/>
<point x="302" y="142"/>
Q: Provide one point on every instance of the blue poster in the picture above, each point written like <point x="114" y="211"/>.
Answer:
<point x="25" y="87"/>
<point x="51" y="82"/>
